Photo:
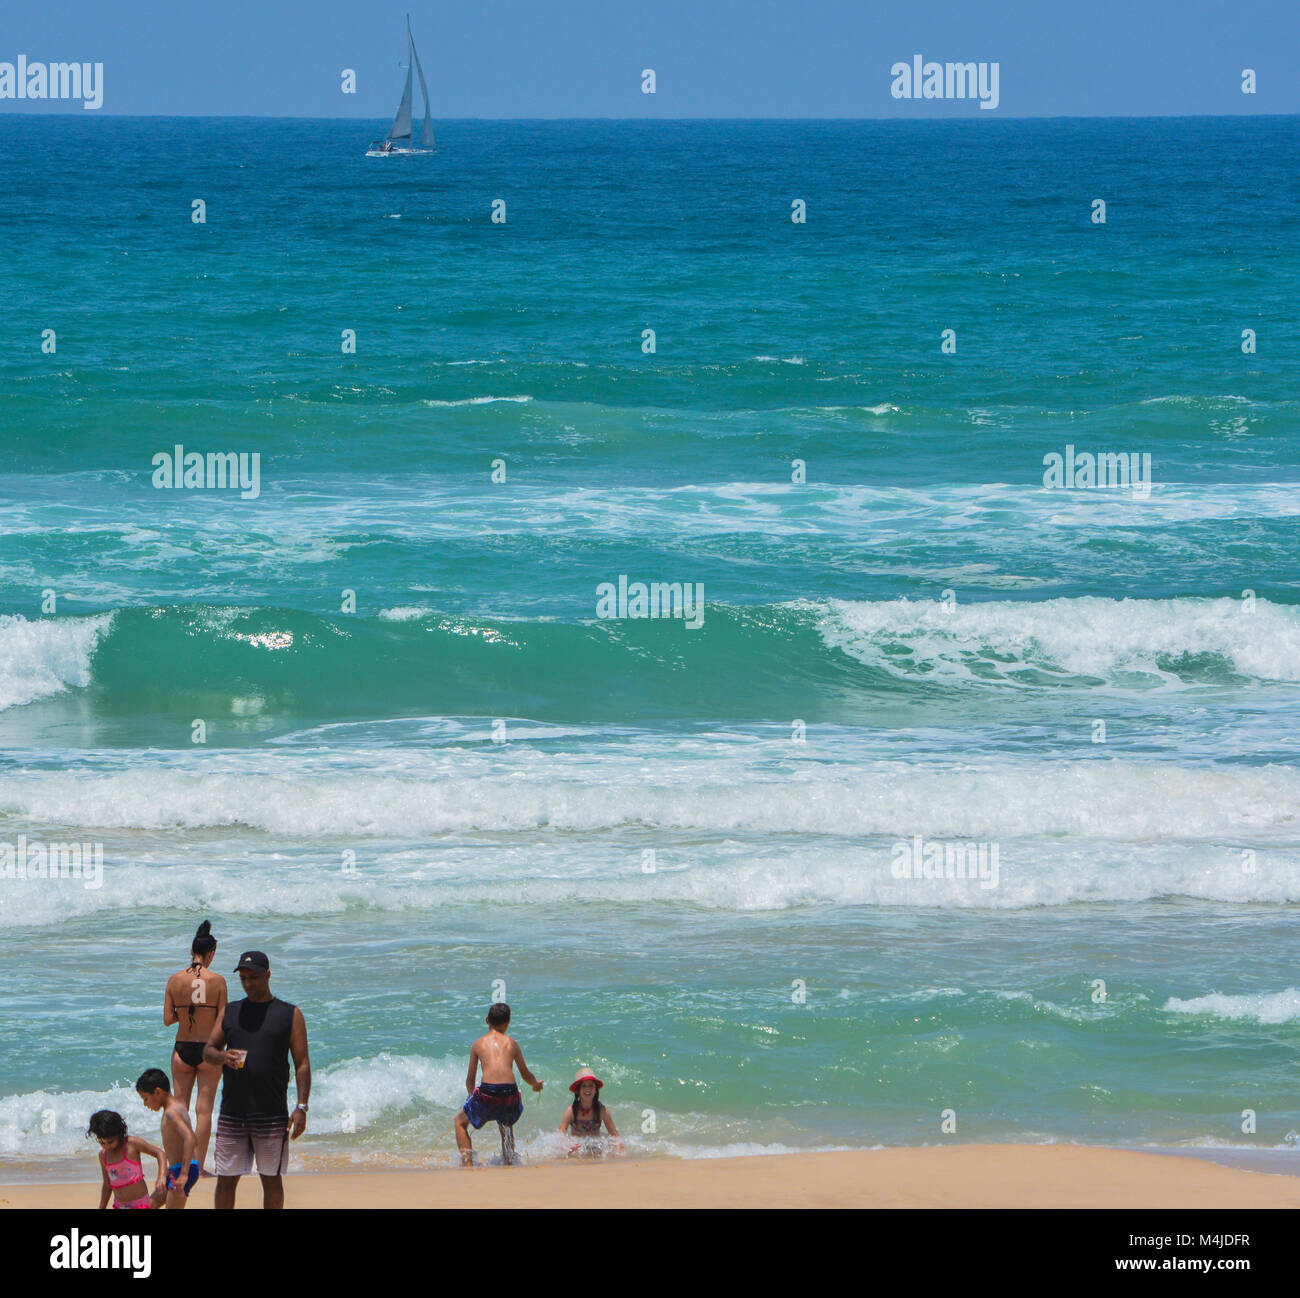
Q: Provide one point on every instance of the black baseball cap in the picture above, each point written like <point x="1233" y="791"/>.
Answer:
<point x="254" y="961"/>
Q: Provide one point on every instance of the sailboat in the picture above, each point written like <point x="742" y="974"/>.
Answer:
<point x="398" y="141"/>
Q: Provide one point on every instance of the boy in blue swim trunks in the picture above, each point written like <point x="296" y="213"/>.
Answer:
<point x="496" y="1098"/>
<point x="177" y="1134"/>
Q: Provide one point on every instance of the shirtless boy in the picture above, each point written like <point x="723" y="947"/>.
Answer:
<point x="178" y="1137"/>
<point x="496" y="1098"/>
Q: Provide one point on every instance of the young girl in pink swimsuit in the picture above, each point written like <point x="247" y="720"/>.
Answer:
<point x="120" y="1161"/>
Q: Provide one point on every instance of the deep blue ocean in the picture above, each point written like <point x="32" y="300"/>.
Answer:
<point x="431" y="772"/>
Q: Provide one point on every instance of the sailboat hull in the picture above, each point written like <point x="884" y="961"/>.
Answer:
<point x="396" y="152"/>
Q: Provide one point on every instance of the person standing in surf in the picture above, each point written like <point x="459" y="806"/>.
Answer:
<point x="195" y="999"/>
<point x="496" y="1098"/>
<point x="253" y="1041"/>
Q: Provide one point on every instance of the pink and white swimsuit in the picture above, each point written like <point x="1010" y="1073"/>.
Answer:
<point x="123" y="1174"/>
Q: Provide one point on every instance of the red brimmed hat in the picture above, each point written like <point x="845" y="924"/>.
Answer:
<point x="585" y="1075"/>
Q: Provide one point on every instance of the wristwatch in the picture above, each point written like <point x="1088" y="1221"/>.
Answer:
<point x="303" y="1107"/>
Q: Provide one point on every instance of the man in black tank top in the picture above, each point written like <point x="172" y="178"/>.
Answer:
<point x="253" y="1042"/>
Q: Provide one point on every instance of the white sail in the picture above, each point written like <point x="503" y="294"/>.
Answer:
<point x="427" y="138"/>
<point x="401" y="129"/>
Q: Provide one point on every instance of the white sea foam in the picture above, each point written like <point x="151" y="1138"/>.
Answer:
<point x="1179" y="400"/>
<point x="406" y="1101"/>
<point x="45" y="1124"/>
<point x="1256" y="1007"/>
<point x="315" y="525"/>
<point x="478" y="401"/>
<point x="1105" y="799"/>
<point x="223" y="875"/>
<point x="883" y="408"/>
<point x="352" y="1094"/>
<point x="46" y="656"/>
<point x="404" y="613"/>
<point x="1088" y="637"/>
<point x="357" y="1092"/>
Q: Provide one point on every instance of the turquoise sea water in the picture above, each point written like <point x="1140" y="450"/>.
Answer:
<point x="620" y="820"/>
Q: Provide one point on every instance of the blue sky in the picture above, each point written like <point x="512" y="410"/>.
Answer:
<point x="713" y="58"/>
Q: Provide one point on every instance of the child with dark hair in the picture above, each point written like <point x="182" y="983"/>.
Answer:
<point x="120" y="1162"/>
<point x="585" y="1117"/>
<point x="178" y="1137"/>
<point x="496" y="1098"/>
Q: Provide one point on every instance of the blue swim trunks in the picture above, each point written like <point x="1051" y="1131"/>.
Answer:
<point x="495" y="1102"/>
<point x="174" y="1177"/>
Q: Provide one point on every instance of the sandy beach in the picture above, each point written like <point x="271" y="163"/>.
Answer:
<point x="963" y="1176"/>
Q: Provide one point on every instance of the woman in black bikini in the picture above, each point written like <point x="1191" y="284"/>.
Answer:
<point x="195" y="1000"/>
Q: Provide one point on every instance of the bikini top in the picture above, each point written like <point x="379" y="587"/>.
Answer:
<point x="193" y="1006"/>
<point x="586" y="1126"/>
<point x="120" y="1179"/>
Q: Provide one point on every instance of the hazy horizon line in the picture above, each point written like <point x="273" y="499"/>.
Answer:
<point x="72" y="112"/>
